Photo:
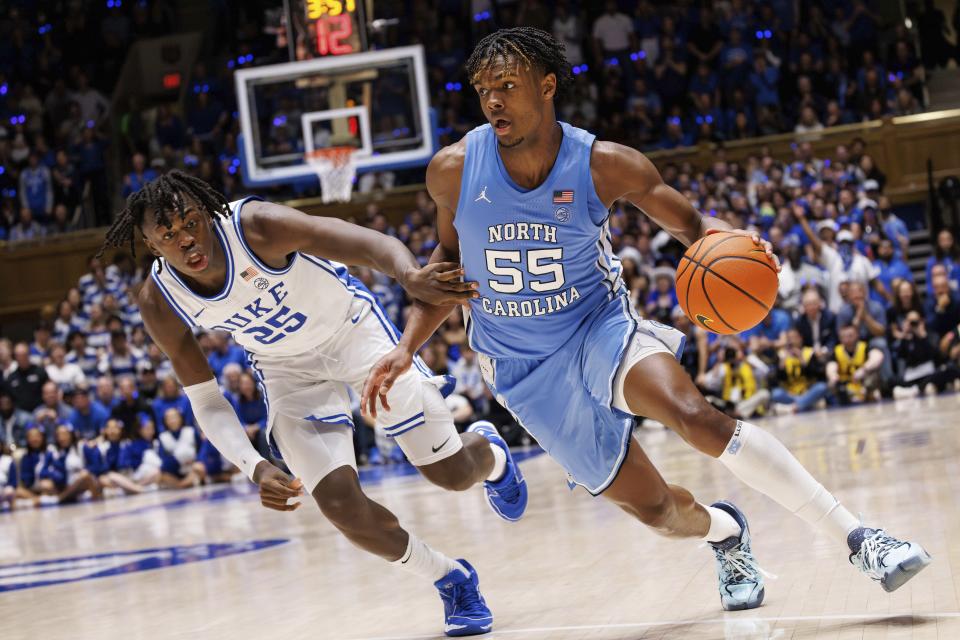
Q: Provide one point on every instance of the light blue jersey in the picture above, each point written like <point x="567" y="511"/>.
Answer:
<point x="553" y="320"/>
<point x="542" y="257"/>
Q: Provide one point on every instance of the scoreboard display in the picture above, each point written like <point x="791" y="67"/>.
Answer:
<point x="334" y="27"/>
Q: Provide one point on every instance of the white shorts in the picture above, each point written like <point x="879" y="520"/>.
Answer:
<point x="649" y="338"/>
<point x="308" y="393"/>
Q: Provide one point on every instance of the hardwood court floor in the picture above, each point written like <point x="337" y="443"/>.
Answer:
<point x="573" y="568"/>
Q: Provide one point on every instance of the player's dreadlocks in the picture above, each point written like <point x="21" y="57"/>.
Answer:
<point x="170" y="192"/>
<point x="530" y="46"/>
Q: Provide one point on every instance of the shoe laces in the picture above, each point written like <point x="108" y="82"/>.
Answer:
<point x="467" y="598"/>
<point x="873" y="553"/>
<point x="739" y="564"/>
<point x="510" y="491"/>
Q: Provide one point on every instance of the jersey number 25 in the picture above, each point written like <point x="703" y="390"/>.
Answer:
<point x="282" y="324"/>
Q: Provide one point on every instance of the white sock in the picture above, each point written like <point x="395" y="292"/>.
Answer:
<point x="722" y="525"/>
<point x="763" y="463"/>
<point x="499" y="463"/>
<point x="423" y="561"/>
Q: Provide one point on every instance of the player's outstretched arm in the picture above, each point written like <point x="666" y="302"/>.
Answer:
<point x="623" y="172"/>
<point x="443" y="182"/>
<point x="215" y="417"/>
<point x="274" y="231"/>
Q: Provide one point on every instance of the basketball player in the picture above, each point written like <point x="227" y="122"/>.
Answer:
<point x="522" y="203"/>
<point x="266" y="274"/>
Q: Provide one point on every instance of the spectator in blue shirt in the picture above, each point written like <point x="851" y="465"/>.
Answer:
<point x="32" y="462"/>
<point x="36" y="189"/>
<point x="106" y="393"/>
<point x="252" y="411"/>
<point x="120" y="359"/>
<point x="71" y="470"/>
<point x="169" y="130"/>
<point x="945" y="253"/>
<point x="770" y="334"/>
<point x="764" y="82"/>
<point x="869" y="318"/>
<point x="139" y="176"/>
<point x="83" y="356"/>
<point x="170" y="396"/>
<point x="13" y="421"/>
<point x="87" y="417"/>
<point x="224" y="352"/>
<point x="91" y="169"/>
<point x="894" y="228"/>
<point x="891" y="268"/>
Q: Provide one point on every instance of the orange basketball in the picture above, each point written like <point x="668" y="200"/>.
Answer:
<point x="725" y="283"/>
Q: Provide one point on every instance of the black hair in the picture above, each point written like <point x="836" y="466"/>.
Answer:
<point x="532" y="47"/>
<point x="167" y="193"/>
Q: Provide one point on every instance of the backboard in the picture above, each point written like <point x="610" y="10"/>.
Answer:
<point x="376" y="101"/>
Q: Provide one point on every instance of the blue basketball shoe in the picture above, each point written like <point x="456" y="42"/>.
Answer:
<point x="464" y="609"/>
<point x="883" y="558"/>
<point x="508" y="495"/>
<point x="740" y="578"/>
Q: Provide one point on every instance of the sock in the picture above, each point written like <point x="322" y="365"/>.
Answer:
<point x="722" y="525"/>
<point x="499" y="463"/>
<point x="763" y="463"/>
<point x="423" y="561"/>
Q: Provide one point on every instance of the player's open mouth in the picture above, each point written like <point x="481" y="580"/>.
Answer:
<point x="501" y="126"/>
<point x="197" y="261"/>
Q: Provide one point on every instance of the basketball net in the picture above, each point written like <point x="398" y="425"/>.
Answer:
<point x="336" y="168"/>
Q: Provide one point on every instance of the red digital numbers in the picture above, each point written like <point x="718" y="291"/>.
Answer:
<point x="333" y="32"/>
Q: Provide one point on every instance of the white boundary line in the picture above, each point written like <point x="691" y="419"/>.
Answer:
<point x="667" y="623"/>
<point x="293" y="70"/>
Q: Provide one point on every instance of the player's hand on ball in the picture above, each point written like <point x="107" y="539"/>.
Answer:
<point x="381" y="378"/>
<point x="753" y="235"/>
<point x="440" y="283"/>
<point x="276" y="487"/>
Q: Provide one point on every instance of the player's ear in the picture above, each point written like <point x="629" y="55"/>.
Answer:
<point x="150" y="246"/>
<point x="548" y="86"/>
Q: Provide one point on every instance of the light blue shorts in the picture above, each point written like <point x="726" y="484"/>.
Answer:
<point x="565" y="401"/>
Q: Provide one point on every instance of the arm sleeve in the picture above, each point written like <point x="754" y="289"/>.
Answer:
<point x="220" y="424"/>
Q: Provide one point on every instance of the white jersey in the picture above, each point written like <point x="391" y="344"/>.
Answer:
<point x="269" y="312"/>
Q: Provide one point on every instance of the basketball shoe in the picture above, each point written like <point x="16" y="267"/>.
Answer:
<point x="464" y="609"/>
<point x="883" y="558"/>
<point x="740" y="578"/>
<point x="508" y="495"/>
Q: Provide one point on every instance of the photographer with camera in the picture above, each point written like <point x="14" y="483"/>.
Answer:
<point x="918" y="354"/>
<point x="736" y="378"/>
<point x="799" y="376"/>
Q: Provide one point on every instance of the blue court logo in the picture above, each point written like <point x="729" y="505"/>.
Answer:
<point x="562" y="214"/>
<point x="42" y="573"/>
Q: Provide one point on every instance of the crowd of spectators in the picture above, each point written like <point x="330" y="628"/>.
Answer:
<point x="91" y="407"/>
<point x="649" y="75"/>
<point x="97" y="409"/>
<point x="664" y="75"/>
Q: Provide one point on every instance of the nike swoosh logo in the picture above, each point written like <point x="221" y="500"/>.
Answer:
<point x="197" y="314"/>
<point x="435" y="449"/>
<point x="355" y="320"/>
<point x="704" y="320"/>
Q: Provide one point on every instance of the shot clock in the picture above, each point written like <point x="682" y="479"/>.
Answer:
<point x="337" y="26"/>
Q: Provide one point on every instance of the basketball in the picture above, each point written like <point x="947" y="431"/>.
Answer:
<point x="726" y="283"/>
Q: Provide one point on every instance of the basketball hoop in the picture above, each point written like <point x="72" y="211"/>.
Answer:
<point x="336" y="169"/>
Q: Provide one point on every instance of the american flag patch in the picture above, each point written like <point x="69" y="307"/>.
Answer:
<point x="563" y="197"/>
<point x="248" y="273"/>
